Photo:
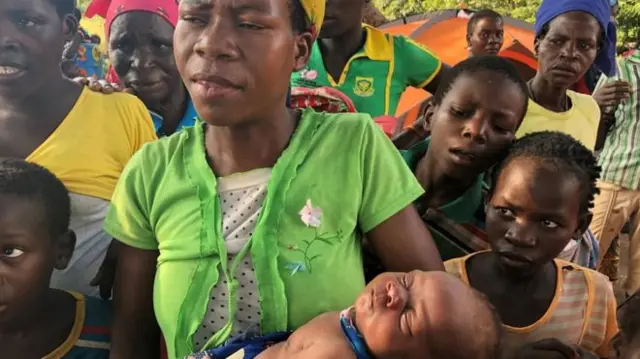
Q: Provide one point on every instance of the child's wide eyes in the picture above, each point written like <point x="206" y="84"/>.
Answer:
<point x="12" y="252"/>
<point x="549" y="224"/>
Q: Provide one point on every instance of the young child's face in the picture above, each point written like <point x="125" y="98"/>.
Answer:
<point x="33" y="38"/>
<point x="391" y="313"/>
<point x="532" y="214"/>
<point x="475" y="123"/>
<point x="28" y="255"/>
<point x="236" y="57"/>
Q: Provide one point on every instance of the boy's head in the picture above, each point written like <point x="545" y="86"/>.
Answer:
<point x="236" y="57"/>
<point x="33" y="34"/>
<point x="426" y="315"/>
<point x="485" y="33"/>
<point x="34" y="236"/>
<point x="541" y="199"/>
<point x="477" y="111"/>
<point x="343" y="17"/>
<point x="627" y="342"/>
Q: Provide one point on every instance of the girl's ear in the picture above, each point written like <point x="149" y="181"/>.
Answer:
<point x="302" y="50"/>
<point x="583" y="225"/>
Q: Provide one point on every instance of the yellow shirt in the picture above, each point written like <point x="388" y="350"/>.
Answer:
<point x="88" y="152"/>
<point x="90" y="148"/>
<point x="580" y="122"/>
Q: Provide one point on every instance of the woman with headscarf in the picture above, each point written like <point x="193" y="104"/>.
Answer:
<point x="252" y="221"/>
<point x="571" y="35"/>
<point x="139" y="34"/>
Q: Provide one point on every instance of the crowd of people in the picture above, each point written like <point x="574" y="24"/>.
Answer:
<point x="225" y="190"/>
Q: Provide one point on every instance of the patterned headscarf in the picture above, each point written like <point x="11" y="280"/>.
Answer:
<point x="315" y="13"/>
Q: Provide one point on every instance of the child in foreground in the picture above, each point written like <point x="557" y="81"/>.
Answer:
<point x="398" y="315"/>
<point x="541" y="200"/>
<point x="35" y="320"/>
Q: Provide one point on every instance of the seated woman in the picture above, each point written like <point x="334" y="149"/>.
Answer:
<point x="398" y="315"/>
<point x="540" y="201"/>
<point x="84" y="138"/>
<point x="140" y="42"/>
<point x="248" y="222"/>
<point x="571" y="35"/>
<point x="369" y="66"/>
<point x="36" y="320"/>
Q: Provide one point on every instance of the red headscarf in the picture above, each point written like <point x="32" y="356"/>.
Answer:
<point x="110" y="9"/>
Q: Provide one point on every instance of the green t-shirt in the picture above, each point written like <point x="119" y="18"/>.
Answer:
<point x="377" y="75"/>
<point x="166" y="200"/>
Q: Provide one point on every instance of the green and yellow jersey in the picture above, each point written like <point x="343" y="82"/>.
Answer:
<point x="377" y="75"/>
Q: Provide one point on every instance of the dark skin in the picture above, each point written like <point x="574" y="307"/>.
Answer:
<point x="471" y="128"/>
<point x="141" y="52"/>
<point x="33" y="37"/>
<point x="229" y="53"/>
<point x="487" y="37"/>
<point x="528" y="225"/>
<point x="34" y="320"/>
<point x="564" y="55"/>
<point x="342" y="36"/>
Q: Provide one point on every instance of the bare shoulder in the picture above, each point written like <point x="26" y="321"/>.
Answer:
<point x="321" y="338"/>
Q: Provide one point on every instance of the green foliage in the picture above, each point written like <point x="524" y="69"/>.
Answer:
<point x="628" y="18"/>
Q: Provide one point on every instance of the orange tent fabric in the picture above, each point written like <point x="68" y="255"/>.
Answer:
<point x="444" y="33"/>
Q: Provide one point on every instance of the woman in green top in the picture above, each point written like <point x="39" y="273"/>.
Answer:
<point x="251" y="222"/>
<point x="369" y="66"/>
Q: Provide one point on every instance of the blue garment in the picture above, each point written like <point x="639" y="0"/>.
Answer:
<point x="250" y="347"/>
<point x="188" y="119"/>
<point x="358" y="344"/>
<point x="90" y="61"/>
<point x="601" y="10"/>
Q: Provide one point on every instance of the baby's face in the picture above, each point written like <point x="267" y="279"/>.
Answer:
<point x="392" y="314"/>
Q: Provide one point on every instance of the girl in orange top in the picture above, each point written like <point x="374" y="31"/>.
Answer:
<point x="541" y="201"/>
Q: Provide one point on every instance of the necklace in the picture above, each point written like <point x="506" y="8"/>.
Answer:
<point x="565" y="105"/>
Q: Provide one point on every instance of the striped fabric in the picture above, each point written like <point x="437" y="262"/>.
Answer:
<point x="620" y="157"/>
<point x="90" y="335"/>
<point x="582" y="313"/>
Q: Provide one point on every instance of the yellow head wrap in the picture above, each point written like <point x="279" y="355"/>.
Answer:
<point x="315" y="13"/>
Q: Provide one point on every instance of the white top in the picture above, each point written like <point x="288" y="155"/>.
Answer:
<point x="241" y="198"/>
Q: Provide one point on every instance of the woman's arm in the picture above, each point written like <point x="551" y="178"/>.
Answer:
<point x="403" y="243"/>
<point x="135" y="333"/>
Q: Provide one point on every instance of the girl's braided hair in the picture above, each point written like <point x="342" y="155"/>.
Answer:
<point x="565" y="154"/>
